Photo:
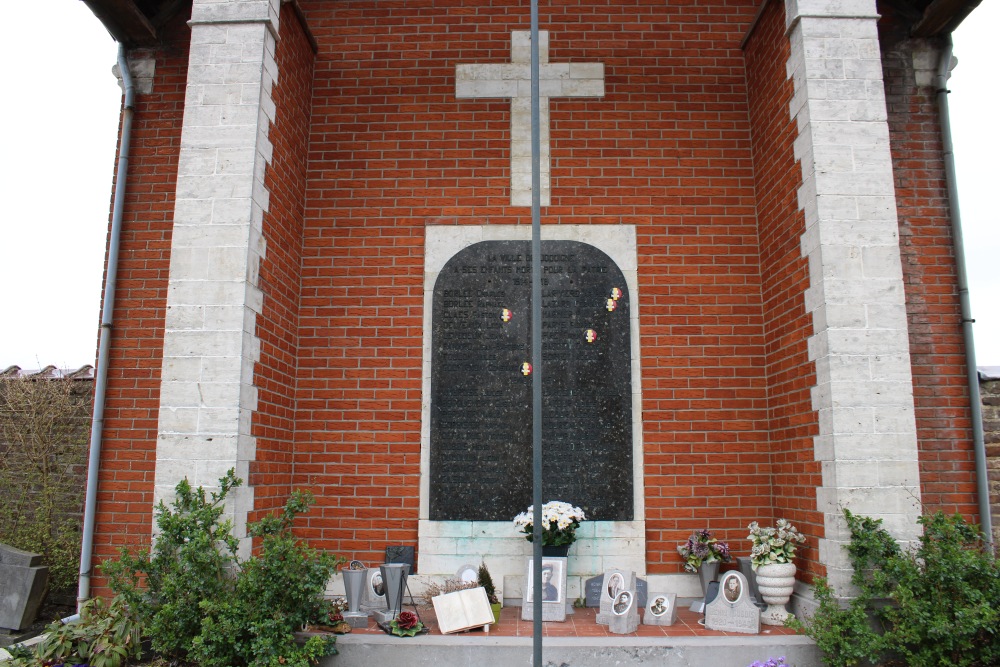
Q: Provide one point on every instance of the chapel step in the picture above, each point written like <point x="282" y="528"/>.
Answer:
<point x="578" y="642"/>
<point x="467" y="649"/>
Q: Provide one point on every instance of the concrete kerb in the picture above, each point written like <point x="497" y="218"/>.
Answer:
<point x="436" y="650"/>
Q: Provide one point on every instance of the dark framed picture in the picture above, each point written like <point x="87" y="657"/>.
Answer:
<point x="553" y="581"/>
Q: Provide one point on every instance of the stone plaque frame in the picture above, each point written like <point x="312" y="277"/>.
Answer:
<point x="444" y="546"/>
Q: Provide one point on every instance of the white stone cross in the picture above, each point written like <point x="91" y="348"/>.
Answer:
<point x="513" y="80"/>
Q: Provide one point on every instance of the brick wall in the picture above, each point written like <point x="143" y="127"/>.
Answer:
<point x="937" y="351"/>
<point x="668" y="149"/>
<point x="789" y="490"/>
<point x="125" y="498"/>
<point x="280" y="269"/>
<point x="671" y="149"/>
<point x="990" y="392"/>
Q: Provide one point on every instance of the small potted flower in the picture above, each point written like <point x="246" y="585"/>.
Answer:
<point x="486" y="581"/>
<point x="559" y="523"/>
<point x="771" y="554"/>
<point x="406" y="624"/>
<point x="703" y="553"/>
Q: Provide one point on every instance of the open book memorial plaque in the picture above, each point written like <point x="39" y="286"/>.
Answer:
<point x="463" y="610"/>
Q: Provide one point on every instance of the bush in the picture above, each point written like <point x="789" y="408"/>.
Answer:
<point x="936" y="605"/>
<point x="276" y="593"/>
<point x="191" y="562"/>
<point x="201" y="603"/>
<point x="44" y="428"/>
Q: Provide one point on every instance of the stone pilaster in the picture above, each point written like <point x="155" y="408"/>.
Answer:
<point x="864" y="395"/>
<point x="213" y="299"/>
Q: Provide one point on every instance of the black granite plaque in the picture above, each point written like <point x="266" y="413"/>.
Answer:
<point x="592" y="590"/>
<point x="401" y="554"/>
<point x="481" y="407"/>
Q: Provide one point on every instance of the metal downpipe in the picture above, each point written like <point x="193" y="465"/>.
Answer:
<point x="104" y="345"/>
<point x="978" y="444"/>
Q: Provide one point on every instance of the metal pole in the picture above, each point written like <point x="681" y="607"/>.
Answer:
<point x="536" y="342"/>
<point x="965" y="302"/>
<point x="104" y="341"/>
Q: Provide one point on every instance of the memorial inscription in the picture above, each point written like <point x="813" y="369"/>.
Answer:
<point x="480" y="440"/>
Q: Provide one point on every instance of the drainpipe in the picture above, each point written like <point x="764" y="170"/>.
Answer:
<point x="101" y="376"/>
<point x="978" y="445"/>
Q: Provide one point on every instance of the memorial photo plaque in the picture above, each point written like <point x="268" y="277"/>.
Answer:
<point x="481" y="405"/>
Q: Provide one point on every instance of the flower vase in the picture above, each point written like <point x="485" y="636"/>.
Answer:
<point x="708" y="572"/>
<point x="561" y="551"/>
<point x="775" y="583"/>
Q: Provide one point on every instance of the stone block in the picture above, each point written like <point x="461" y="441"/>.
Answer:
<point x="661" y="609"/>
<point x="554" y="591"/>
<point x="23" y="584"/>
<point x="733" y="610"/>
<point x="624" y="616"/>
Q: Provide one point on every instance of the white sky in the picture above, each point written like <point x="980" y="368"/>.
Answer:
<point x="61" y="120"/>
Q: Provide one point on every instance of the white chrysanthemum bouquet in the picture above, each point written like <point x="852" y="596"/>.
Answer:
<point x="559" y="523"/>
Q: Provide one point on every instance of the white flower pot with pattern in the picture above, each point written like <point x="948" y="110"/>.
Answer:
<point x="776" y="583"/>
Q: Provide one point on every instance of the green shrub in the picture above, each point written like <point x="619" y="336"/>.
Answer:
<point x="276" y="593"/>
<point x="190" y="562"/>
<point x="936" y="605"/>
<point x="199" y="602"/>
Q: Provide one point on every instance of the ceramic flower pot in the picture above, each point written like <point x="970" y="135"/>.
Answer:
<point x="775" y="583"/>
<point x="555" y="552"/>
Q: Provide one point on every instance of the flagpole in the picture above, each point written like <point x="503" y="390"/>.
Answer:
<point x="536" y="341"/>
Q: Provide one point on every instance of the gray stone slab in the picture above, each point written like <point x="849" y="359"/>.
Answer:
<point x="22" y="590"/>
<point x="614" y="582"/>
<point x="661" y="609"/>
<point x="356" y="619"/>
<point x="624" y="617"/>
<point x="12" y="556"/>
<point x="732" y="610"/>
<point x="554" y="601"/>
<point x="592" y="591"/>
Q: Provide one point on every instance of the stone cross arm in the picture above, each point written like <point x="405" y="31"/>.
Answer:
<point x="513" y="80"/>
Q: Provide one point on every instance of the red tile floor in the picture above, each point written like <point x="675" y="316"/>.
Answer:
<point x="583" y="623"/>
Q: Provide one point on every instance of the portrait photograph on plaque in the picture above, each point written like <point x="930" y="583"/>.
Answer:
<point x="660" y="606"/>
<point x="616" y="583"/>
<point x="378" y="587"/>
<point x="623" y="602"/>
<point x="731" y="586"/>
<point x="553" y="581"/>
